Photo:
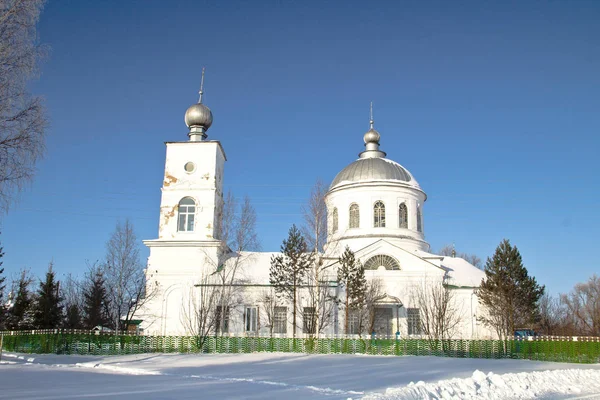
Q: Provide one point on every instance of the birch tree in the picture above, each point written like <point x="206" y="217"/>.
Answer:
<point x="439" y="311"/>
<point x="583" y="304"/>
<point x="23" y="120"/>
<point x="238" y="237"/>
<point x="124" y="276"/>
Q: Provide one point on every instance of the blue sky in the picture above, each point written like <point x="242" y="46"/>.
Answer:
<point x="493" y="107"/>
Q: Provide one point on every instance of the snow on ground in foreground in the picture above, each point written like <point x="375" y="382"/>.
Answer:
<point x="290" y="376"/>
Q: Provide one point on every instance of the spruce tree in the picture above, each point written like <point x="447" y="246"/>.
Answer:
<point x="73" y="318"/>
<point x="48" y="310"/>
<point x="351" y="276"/>
<point x="290" y="269"/>
<point x="95" y="308"/>
<point x="20" y="314"/>
<point x="508" y="293"/>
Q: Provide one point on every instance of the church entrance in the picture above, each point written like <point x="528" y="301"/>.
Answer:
<point x="382" y="325"/>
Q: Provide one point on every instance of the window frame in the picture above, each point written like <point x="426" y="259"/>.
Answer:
<point x="413" y="321"/>
<point x="335" y="220"/>
<point x="354" y="216"/>
<point x="403" y="216"/>
<point x="379" y="214"/>
<point x="309" y="317"/>
<point x="225" y="320"/>
<point x="251" y="319"/>
<point x="186" y="214"/>
<point x="279" y="321"/>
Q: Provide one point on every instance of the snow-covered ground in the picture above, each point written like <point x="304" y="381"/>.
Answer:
<point x="290" y="376"/>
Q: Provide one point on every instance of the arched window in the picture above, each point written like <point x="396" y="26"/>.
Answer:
<point x="187" y="210"/>
<point x="335" y="220"/>
<point x="379" y="214"/>
<point x="354" y="216"/>
<point x="419" y="218"/>
<point x="402" y="216"/>
<point x="382" y="260"/>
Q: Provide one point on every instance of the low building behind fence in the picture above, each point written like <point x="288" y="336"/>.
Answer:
<point x="543" y="348"/>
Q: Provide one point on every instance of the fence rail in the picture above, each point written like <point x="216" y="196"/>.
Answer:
<point x="561" y="349"/>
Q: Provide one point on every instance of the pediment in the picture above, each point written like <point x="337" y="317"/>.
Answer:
<point x="380" y="252"/>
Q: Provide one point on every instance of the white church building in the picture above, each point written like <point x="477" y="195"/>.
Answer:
<point x="375" y="207"/>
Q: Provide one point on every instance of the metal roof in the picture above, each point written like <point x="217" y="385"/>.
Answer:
<point x="373" y="169"/>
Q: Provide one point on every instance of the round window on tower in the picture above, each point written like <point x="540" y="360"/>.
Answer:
<point x="189" y="167"/>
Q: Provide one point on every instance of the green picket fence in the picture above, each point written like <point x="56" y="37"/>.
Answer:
<point x="577" y="350"/>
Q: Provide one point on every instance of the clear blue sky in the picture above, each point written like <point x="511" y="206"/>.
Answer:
<point x="493" y="106"/>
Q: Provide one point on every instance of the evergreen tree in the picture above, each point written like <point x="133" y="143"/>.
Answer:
<point x="48" y="310"/>
<point x="20" y="315"/>
<point x="73" y="318"/>
<point x="290" y="269"/>
<point x="508" y="293"/>
<point x="2" y="286"/>
<point x="96" y="307"/>
<point x="351" y="276"/>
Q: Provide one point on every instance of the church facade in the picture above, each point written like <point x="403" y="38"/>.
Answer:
<point x="375" y="207"/>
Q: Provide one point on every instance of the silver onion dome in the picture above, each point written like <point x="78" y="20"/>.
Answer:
<point x="198" y="115"/>
<point x="372" y="136"/>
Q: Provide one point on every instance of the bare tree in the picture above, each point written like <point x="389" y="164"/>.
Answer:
<point x="124" y="274"/>
<point x="200" y="309"/>
<point x="314" y="231"/>
<point x="72" y="293"/>
<point x="317" y="305"/>
<point x="268" y="299"/>
<point x="238" y="237"/>
<point x="439" y="311"/>
<point x="553" y="316"/>
<point x="22" y="116"/>
<point x="583" y="303"/>
<point x="449" y="251"/>
<point x="315" y="217"/>
<point x="365" y="314"/>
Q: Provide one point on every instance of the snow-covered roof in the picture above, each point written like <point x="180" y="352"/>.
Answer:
<point x="253" y="266"/>
<point x="462" y="273"/>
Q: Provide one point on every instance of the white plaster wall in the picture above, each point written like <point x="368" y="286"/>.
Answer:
<point x="392" y="194"/>
<point x="204" y="185"/>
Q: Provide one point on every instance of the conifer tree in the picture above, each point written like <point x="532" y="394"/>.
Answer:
<point x="351" y="276"/>
<point x="48" y="310"/>
<point x="290" y="269"/>
<point x="20" y="315"/>
<point x="96" y="305"/>
<point x="508" y="293"/>
<point x="73" y="318"/>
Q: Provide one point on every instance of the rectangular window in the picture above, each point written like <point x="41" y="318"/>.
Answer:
<point x="280" y="320"/>
<point x="413" y="321"/>
<point x="309" y="320"/>
<point x="190" y="223"/>
<point x="222" y="318"/>
<point x="353" y="325"/>
<point x="250" y="318"/>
